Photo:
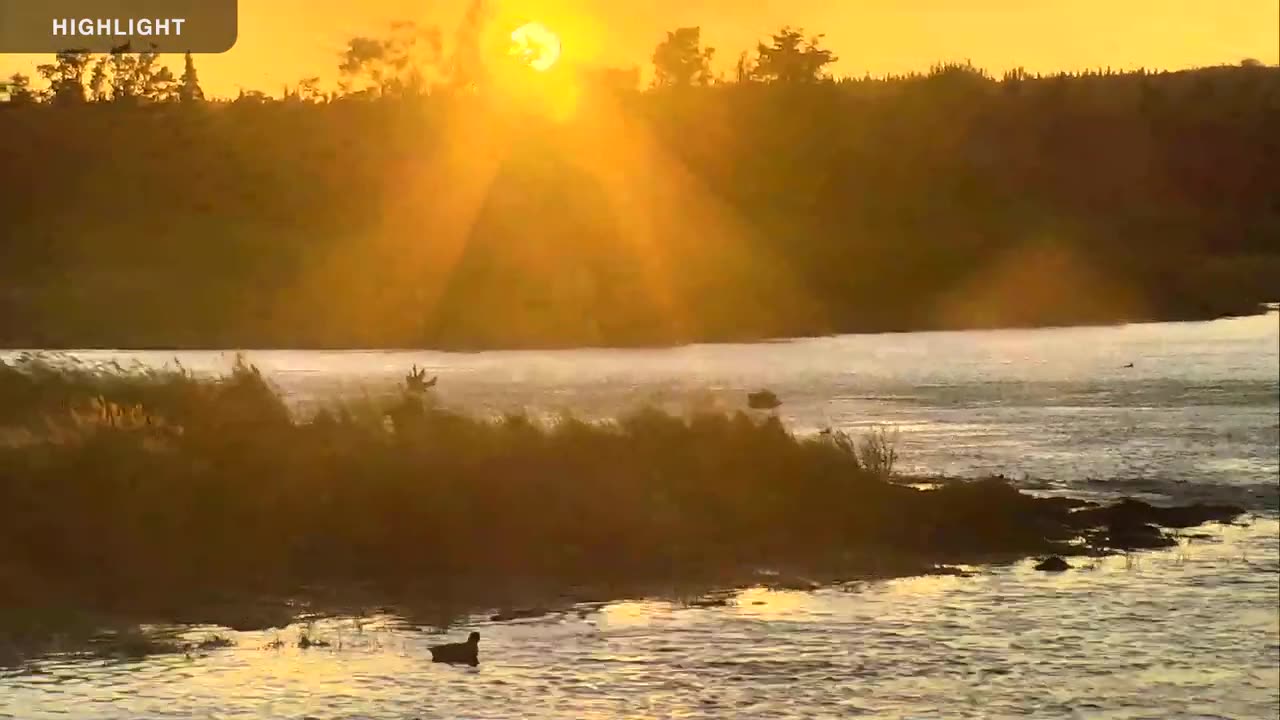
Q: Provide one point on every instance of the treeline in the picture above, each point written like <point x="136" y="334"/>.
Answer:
<point x="429" y="204"/>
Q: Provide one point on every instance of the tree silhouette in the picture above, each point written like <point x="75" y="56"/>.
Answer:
<point x="119" y="76"/>
<point x="251" y="97"/>
<point x="308" y="90"/>
<point x="361" y="66"/>
<point x="411" y="52"/>
<point x="681" y="61"/>
<point x="19" y="89"/>
<point x="391" y="66"/>
<point x="124" y="74"/>
<point x="189" y="90"/>
<point x="66" y="76"/>
<point x="156" y="83"/>
<point x="98" y="81"/>
<point x="792" y="59"/>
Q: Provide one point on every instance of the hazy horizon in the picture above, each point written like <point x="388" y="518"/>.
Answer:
<point x="282" y="41"/>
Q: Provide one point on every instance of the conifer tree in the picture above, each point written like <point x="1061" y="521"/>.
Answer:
<point x="190" y="82"/>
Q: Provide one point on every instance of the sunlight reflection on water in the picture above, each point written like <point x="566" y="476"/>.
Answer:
<point x="1187" y="632"/>
<point x="1192" y="631"/>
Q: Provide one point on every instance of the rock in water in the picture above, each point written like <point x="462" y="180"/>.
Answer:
<point x="1053" y="564"/>
<point x="763" y="400"/>
<point x="518" y="614"/>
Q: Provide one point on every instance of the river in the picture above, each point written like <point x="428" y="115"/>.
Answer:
<point x="1164" y="411"/>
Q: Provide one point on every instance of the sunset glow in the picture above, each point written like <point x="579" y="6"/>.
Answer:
<point x="685" y="358"/>
<point x="283" y="40"/>
<point x="536" y="46"/>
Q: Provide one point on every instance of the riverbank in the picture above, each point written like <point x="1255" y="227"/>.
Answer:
<point x="1191" y="627"/>
<point x="162" y="496"/>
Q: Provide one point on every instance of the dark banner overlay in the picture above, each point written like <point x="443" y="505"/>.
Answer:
<point x="172" y="26"/>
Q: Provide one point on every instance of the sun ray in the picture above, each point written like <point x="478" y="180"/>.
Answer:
<point x="678" y="232"/>
<point x="393" y="274"/>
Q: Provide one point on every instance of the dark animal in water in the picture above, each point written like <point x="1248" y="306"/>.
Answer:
<point x="467" y="653"/>
<point x="762" y="400"/>
<point x="415" y="381"/>
<point x="1129" y="365"/>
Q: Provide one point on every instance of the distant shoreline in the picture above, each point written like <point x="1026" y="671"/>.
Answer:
<point x="10" y="345"/>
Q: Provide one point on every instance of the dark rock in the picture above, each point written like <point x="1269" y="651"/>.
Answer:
<point x="1135" y="525"/>
<point x="1066" y="503"/>
<point x="518" y="614"/>
<point x="1133" y="513"/>
<point x="214" y="642"/>
<point x="1053" y="563"/>
<point x="1198" y="514"/>
<point x="1134" y="537"/>
<point x="763" y="400"/>
<point x="133" y="643"/>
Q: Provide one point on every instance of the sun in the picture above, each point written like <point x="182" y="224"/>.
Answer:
<point x="536" y="46"/>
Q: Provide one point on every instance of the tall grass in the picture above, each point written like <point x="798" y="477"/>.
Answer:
<point x="878" y="450"/>
<point x="39" y="389"/>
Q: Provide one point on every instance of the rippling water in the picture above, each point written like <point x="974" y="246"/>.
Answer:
<point x="1190" y="632"/>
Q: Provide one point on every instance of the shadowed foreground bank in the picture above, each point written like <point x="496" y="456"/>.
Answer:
<point x="165" y="496"/>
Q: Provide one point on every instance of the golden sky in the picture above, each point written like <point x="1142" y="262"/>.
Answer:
<point x="283" y="40"/>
